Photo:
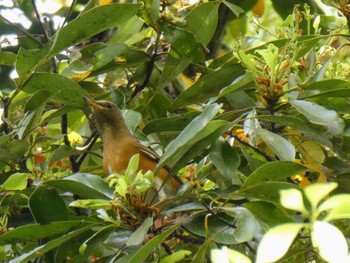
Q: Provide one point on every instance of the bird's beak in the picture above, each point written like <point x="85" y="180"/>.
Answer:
<point x="93" y="104"/>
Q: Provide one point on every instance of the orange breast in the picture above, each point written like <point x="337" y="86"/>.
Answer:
<point x="117" y="154"/>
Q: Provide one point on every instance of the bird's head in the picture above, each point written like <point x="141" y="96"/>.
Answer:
<point x="108" y="116"/>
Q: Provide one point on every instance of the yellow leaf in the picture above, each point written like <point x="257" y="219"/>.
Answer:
<point x="105" y="2"/>
<point x="80" y="76"/>
<point x="120" y="59"/>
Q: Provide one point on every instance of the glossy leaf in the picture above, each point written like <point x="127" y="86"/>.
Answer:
<point x="32" y="232"/>
<point x="188" y="136"/>
<point x="141" y="255"/>
<point x="274" y="171"/>
<point x="85" y="185"/>
<point x="96" y="239"/>
<point x="238" y="225"/>
<point x="91" y="23"/>
<point x="279" y="145"/>
<point x="320" y="115"/>
<point x="301" y="125"/>
<point x="226" y="159"/>
<point x="39" y="250"/>
<point x="269" y="213"/>
<point x="209" y="85"/>
<point x="47" y="206"/>
<point x="267" y="191"/>
<point x="91" y="203"/>
<point x="139" y="235"/>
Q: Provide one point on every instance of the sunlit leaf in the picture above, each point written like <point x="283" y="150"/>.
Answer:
<point x="316" y="192"/>
<point x="330" y="242"/>
<point x="276" y="242"/>
<point x="320" y="115"/>
<point x="228" y="255"/>
<point x="279" y="145"/>
<point x="17" y="181"/>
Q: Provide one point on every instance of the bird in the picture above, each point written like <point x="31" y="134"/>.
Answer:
<point x="119" y="146"/>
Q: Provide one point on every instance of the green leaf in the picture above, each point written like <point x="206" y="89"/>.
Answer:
<point x="39" y="250"/>
<point x="226" y="159"/>
<point x="182" y="143"/>
<point x="38" y="99"/>
<point x="17" y="181"/>
<point x="174" y="65"/>
<point x="328" y="88"/>
<point x="63" y="151"/>
<point x="269" y="213"/>
<point x="276" y="242"/>
<point x="90" y="23"/>
<point x="300" y="125"/>
<point x="237" y="10"/>
<point x="237" y="225"/>
<point x="228" y="255"/>
<point x="96" y="239"/>
<point x="202" y="21"/>
<point x="91" y="203"/>
<point x="274" y="171"/>
<point x="27" y="60"/>
<point x="139" y="235"/>
<point x="267" y="191"/>
<point x="150" y="12"/>
<point x="239" y="84"/>
<point x="320" y="115"/>
<point x="202" y="251"/>
<point x="337" y="207"/>
<point x="279" y="145"/>
<point x="246" y="224"/>
<point x="209" y="85"/>
<point x="316" y="192"/>
<point x="142" y="254"/>
<point x="330" y="242"/>
<point x="13" y="150"/>
<point x="177" y="256"/>
<point x="270" y="56"/>
<point x="47" y="206"/>
<point x="31" y="120"/>
<point x="293" y="199"/>
<point x="184" y="43"/>
<point x="108" y="54"/>
<point x="60" y="86"/>
<point x="85" y="185"/>
<point x="7" y="58"/>
<point x="173" y="123"/>
<point x="31" y="232"/>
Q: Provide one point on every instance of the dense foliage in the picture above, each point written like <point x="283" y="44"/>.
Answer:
<point x="245" y="100"/>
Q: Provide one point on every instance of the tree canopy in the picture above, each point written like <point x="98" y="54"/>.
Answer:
<point x="246" y="101"/>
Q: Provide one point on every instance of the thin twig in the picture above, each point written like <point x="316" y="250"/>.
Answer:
<point x="90" y="142"/>
<point x="38" y="17"/>
<point x="69" y="13"/>
<point x="149" y="67"/>
<point x="20" y="29"/>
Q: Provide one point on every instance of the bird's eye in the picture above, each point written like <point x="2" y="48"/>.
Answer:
<point x="109" y="106"/>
